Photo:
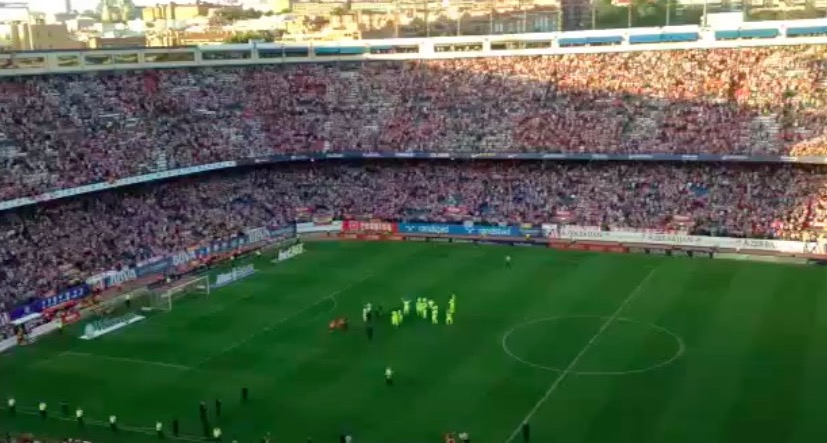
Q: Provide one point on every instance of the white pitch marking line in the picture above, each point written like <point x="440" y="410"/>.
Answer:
<point x="332" y="308"/>
<point x="568" y="369"/>
<point x="282" y="320"/>
<point x="128" y="360"/>
<point x="681" y="349"/>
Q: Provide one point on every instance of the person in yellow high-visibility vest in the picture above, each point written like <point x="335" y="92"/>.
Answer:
<point x="216" y="434"/>
<point x="79" y="416"/>
<point x="42" y="408"/>
<point x="113" y="423"/>
<point x="12" y="405"/>
<point x="159" y="429"/>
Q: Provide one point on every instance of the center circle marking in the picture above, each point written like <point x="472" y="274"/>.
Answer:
<point x="681" y="346"/>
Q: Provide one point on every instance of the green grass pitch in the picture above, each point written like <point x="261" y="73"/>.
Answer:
<point x="592" y="348"/>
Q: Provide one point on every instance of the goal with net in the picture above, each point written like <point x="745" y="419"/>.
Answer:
<point x="164" y="297"/>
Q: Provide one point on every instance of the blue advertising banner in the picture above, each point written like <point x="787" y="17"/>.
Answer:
<point x="531" y="232"/>
<point x="39" y="305"/>
<point x="75" y="293"/>
<point x="22" y="311"/>
<point x="153" y="267"/>
<point x="442" y="229"/>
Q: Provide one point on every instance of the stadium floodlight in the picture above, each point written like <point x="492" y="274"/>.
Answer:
<point x="163" y="299"/>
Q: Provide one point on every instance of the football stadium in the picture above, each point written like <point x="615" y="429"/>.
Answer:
<point x="581" y="237"/>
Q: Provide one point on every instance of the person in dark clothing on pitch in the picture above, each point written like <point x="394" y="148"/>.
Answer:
<point x="205" y="424"/>
<point x="202" y="412"/>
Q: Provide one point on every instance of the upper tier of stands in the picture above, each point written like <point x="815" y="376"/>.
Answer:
<point x="66" y="130"/>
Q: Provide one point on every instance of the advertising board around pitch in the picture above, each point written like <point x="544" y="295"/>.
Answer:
<point x="594" y="233"/>
<point x="468" y="230"/>
<point x="369" y="226"/>
<point x="318" y="228"/>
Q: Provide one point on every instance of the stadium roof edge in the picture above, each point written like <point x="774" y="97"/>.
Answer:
<point x="770" y="33"/>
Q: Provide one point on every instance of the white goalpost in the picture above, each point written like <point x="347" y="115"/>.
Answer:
<point x="165" y="297"/>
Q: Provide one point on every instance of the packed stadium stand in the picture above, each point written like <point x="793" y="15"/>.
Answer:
<point x="53" y="244"/>
<point x="69" y="130"/>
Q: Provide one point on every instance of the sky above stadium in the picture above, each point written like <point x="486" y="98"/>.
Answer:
<point x="78" y="5"/>
<point x="52" y="6"/>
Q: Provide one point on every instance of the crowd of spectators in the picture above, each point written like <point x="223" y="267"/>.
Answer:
<point x="65" y="131"/>
<point x="51" y="244"/>
<point x="69" y="130"/>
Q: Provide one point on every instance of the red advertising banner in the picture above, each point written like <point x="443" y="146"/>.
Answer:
<point x="369" y="226"/>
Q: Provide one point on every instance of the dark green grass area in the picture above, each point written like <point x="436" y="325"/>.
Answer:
<point x="739" y="352"/>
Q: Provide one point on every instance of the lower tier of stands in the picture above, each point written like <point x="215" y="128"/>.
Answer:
<point x="47" y="246"/>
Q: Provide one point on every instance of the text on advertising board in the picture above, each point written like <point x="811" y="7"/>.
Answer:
<point x="368" y="226"/>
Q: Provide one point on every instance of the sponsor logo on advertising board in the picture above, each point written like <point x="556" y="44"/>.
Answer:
<point x="368" y="226"/>
<point x="289" y="253"/>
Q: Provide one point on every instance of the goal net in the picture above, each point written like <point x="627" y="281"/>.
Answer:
<point x="122" y="303"/>
<point x="164" y="297"/>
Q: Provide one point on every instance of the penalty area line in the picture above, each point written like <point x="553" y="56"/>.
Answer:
<point x="569" y="369"/>
<point x="268" y="328"/>
<point x="127" y="360"/>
